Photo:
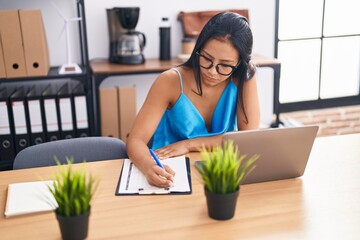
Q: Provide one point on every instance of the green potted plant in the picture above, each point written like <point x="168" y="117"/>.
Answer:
<point x="73" y="190"/>
<point x="222" y="171"/>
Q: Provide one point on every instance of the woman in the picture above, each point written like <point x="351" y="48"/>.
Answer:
<point x="192" y="105"/>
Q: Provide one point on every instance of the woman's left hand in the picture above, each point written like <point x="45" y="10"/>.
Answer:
<point x="173" y="150"/>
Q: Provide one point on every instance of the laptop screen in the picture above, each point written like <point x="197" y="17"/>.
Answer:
<point x="284" y="152"/>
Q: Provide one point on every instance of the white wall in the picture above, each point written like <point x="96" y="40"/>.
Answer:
<point x="262" y="13"/>
<point x="262" y="20"/>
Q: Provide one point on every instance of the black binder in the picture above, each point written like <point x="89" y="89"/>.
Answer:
<point x="21" y="127"/>
<point x="52" y="128"/>
<point x="7" y="147"/>
<point x="34" y="116"/>
<point x="79" y="102"/>
<point x="64" y="109"/>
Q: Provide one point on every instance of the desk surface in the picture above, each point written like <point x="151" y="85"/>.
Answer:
<point x="155" y="65"/>
<point x="323" y="204"/>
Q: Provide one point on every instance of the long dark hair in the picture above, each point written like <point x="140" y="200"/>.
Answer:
<point x="235" y="28"/>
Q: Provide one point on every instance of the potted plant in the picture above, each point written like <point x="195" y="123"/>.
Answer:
<point x="222" y="171"/>
<point x="73" y="190"/>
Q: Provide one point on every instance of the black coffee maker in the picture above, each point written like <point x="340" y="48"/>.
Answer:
<point x="126" y="44"/>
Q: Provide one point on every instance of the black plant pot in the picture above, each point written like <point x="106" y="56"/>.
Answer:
<point x="221" y="206"/>
<point x="74" y="227"/>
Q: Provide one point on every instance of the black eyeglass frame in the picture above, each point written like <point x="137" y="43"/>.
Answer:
<point x="217" y="65"/>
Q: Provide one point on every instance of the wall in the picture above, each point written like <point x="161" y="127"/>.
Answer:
<point x="262" y="13"/>
<point x="262" y="20"/>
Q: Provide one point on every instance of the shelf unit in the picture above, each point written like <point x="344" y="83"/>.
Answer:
<point x="84" y="77"/>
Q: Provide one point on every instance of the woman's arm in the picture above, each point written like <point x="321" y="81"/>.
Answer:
<point x="188" y="145"/>
<point x="165" y="89"/>
<point x="252" y="106"/>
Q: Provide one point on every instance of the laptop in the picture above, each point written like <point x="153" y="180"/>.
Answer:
<point x="284" y="152"/>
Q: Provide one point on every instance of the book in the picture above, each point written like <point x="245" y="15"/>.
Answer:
<point x="29" y="197"/>
<point x="133" y="182"/>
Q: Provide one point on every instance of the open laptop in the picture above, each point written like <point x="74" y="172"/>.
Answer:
<point x="284" y="152"/>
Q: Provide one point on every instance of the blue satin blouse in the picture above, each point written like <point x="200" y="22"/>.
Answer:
<point x="183" y="120"/>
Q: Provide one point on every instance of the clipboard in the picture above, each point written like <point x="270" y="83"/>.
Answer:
<point x="130" y="176"/>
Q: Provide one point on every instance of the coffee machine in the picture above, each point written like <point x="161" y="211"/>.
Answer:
<point x="126" y="44"/>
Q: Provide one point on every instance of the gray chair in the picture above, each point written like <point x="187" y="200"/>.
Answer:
<point x="87" y="149"/>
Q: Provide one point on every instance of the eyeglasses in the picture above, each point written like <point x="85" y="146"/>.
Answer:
<point x="221" y="68"/>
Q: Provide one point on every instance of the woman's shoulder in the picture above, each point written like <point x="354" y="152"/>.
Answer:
<point x="167" y="84"/>
<point x="169" y="74"/>
<point x="172" y="77"/>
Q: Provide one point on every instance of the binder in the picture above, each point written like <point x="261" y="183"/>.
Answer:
<point x="7" y="147"/>
<point x="2" y="62"/>
<point x="35" y="44"/>
<point x="21" y="128"/>
<point x="64" y="109"/>
<point x="12" y="44"/>
<point x="50" y="114"/>
<point x="109" y="112"/>
<point x="79" y="103"/>
<point x="133" y="182"/>
<point x="35" y="118"/>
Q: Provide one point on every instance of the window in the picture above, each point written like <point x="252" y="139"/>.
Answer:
<point x="318" y="44"/>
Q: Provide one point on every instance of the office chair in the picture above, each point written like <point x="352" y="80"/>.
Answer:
<point x="87" y="149"/>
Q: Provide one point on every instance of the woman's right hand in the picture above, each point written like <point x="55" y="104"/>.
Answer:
<point x="160" y="177"/>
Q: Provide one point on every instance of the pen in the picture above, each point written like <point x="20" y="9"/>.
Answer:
<point x="156" y="158"/>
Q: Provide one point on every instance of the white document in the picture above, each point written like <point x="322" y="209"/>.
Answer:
<point x="29" y="197"/>
<point x="132" y="181"/>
